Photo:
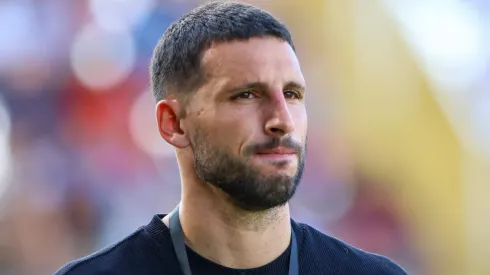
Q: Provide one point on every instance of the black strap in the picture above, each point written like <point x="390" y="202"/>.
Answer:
<point x="177" y="236"/>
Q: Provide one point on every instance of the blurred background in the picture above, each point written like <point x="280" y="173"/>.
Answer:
<point x="399" y="134"/>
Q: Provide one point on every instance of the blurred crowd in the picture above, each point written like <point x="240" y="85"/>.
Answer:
<point x="81" y="162"/>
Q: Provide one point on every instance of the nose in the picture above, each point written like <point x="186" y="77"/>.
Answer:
<point x="280" y="122"/>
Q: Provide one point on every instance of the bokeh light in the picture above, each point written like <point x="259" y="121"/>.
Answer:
<point x="101" y="58"/>
<point x="449" y="38"/>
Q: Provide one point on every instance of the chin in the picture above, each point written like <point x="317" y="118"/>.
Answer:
<point x="273" y="170"/>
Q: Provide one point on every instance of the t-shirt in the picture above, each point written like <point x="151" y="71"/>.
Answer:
<point x="150" y="251"/>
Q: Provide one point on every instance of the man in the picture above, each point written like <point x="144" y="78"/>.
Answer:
<point x="231" y="100"/>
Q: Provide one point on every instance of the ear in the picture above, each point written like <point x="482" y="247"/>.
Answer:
<point x="169" y="125"/>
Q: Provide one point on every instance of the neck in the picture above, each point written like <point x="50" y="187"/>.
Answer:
<point x="222" y="233"/>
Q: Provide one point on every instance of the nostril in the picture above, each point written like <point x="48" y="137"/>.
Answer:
<point x="277" y="130"/>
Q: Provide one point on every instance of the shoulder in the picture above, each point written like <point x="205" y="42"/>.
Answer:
<point x="112" y="259"/>
<point x="339" y="256"/>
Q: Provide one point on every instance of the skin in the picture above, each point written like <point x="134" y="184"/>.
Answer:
<point x="253" y="95"/>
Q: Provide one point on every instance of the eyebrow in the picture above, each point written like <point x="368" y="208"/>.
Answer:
<point x="260" y="85"/>
<point x="296" y="86"/>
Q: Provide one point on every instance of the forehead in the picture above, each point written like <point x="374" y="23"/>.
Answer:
<point x="267" y="60"/>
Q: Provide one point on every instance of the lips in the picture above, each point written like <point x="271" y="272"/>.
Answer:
<point x="277" y="151"/>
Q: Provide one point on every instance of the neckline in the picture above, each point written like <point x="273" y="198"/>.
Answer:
<point x="160" y="234"/>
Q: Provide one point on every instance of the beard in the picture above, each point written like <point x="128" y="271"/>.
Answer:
<point x="244" y="183"/>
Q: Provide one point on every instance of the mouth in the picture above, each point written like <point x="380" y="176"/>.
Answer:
<point x="279" y="153"/>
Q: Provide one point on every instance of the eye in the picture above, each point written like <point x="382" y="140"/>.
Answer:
<point x="245" y="95"/>
<point x="291" y="94"/>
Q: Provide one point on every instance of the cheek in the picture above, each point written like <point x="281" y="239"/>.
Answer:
<point x="229" y="130"/>
<point x="300" y="120"/>
<point x="238" y="130"/>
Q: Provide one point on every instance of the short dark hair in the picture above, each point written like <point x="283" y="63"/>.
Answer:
<point x="176" y="62"/>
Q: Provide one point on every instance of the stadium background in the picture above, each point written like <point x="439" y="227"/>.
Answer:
<point x="399" y="134"/>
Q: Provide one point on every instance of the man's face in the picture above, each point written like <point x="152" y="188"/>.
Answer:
<point x="247" y="123"/>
